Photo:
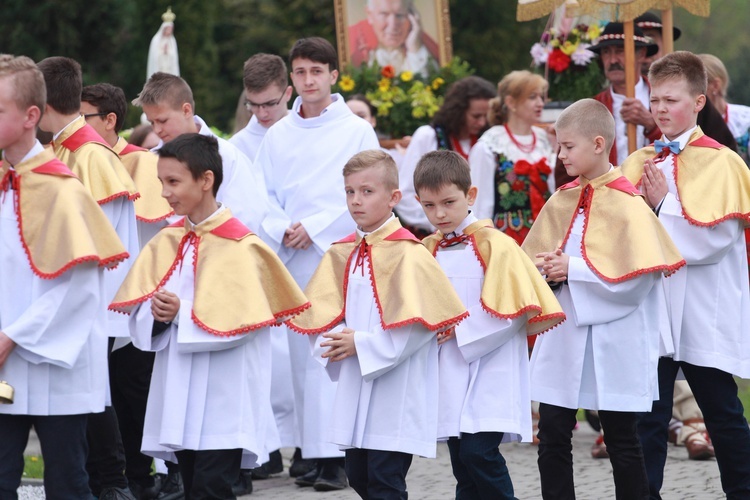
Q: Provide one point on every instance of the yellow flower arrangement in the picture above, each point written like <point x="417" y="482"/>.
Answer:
<point x="347" y="83"/>
<point x="407" y="76"/>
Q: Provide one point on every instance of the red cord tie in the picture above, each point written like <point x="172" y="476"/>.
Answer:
<point x="361" y="254"/>
<point x="450" y="241"/>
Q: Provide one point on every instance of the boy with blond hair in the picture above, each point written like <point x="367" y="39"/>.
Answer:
<point x="604" y="248"/>
<point x="476" y="413"/>
<point x="53" y="326"/>
<point x="167" y="101"/>
<point x="701" y="193"/>
<point x="378" y="299"/>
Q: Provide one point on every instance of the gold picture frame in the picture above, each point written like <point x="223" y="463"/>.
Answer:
<point x="357" y="37"/>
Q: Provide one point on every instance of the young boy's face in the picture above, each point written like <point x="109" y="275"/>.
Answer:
<point x="11" y="118"/>
<point x="270" y="104"/>
<point x="579" y="155"/>
<point x="369" y="200"/>
<point x="446" y="207"/>
<point x="170" y="123"/>
<point x="312" y="80"/>
<point x="674" y="108"/>
<point x="183" y="193"/>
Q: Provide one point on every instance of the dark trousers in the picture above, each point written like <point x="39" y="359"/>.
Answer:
<point x="106" y="461"/>
<point x="209" y="474"/>
<point x="378" y="475"/>
<point x="64" y="449"/>
<point x="715" y="392"/>
<point x="479" y="468"/>
<point x="556" y="459"/>
<point x="130" y="377"/>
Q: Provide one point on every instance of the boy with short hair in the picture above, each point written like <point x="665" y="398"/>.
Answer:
<point x="477" y="413"/>
<point x="198" y="297"/>
<point x="53" y="326"/>
<point x="701" y="193"/>
<point x="167" y="102"/>
<point x="605" y="249"/>
<point x="89" y="157"/>
<point x="301" y="157"/>
<point x="267" y="94"/>
<point x="378" y="298"/>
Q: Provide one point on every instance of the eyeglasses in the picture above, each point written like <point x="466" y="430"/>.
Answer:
<point x="251" y="106"/>
<point x="94" y="114"/>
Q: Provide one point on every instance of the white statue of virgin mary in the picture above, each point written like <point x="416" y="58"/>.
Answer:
<point x="162" y="53"/>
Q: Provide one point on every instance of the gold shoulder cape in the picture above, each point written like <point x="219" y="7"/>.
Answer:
<point x="140" y="163"/>
<point x="94" y="162"/>
<point x="512" y="284"/>
<point x="713" y="183"/>
<point x="59" y="223"/>
<point x="622" y="238"/>
<point x="240" y="284"/>
<point x="407" y="282"/>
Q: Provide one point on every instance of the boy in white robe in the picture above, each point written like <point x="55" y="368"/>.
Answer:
<point x="599" y="239"/>
<point x="209" y="320"/>
<point x="90" y="157"/>
<point x="701" y="192"/>
<point x="378" y="298"/>
<point x="167" y="101"/>
<point x="484" y="369"/>
<point x="301" y="158"/>
<point x="267" y="93"/>
<point x="53" y="326"/>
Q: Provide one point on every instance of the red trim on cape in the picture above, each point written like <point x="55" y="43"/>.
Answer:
<point x="401" y="234"/>
<point x="232" y="229"/>
<point x="178" y="223"/>
<point x="571" y="184"/>
<point x="110" y="262"/>
<point x="153" y="221"/>
<point x="82" y="136"/>
<point x="54" y="167"/>
<point x="131" y="148"/>
<point x="624" y="185"/>
<point x="706" y="142"/>
<point x="347" y="239"/>
<point x="106" y="200"/>
<point x="245" y="329"/>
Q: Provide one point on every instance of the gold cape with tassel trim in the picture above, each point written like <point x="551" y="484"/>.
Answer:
<point x="150" y="207"/>
<point x="93" y="161"/>
<point x="407" y="282"/>
<point x="240" y="284"/>
<point x="512" y="284"/>
<point x="622" y="238"/>
<point x="713" y="183"/>
<point x="59" y="223"/>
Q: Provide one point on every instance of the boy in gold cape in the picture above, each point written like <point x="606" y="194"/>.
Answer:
<point x="597" y="238"/>
<point x="204" y="293"/>
<point x="378" y="298"/>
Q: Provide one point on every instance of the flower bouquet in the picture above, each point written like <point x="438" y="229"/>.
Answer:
<point x="404" y="101"/>
<point x="564" y="59"/>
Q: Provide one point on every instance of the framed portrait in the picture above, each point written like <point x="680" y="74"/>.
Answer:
<point x="409" y="35"/>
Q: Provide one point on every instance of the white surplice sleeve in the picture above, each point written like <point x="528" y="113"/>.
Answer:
<point x="482" y="333"/>
<point x="333" y="368"/>
<point x="243" y="188"/>
<point x="698" y="245"/>
<point x="596" y="301"/>
<point x="141" y="325"/>
<point x="409" y="209"/>
<point x="277" y="221"/>
<point x="380" y="351"/>
<point x="56" y="326"/>
<point x="483" y="165"/>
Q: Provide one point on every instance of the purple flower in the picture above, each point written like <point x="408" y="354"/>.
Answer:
<point x="539" y="53"/>
<point x="582" y="56"/>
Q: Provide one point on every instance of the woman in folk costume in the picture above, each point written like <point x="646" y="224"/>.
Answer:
<point x="511" y="163"/>
<point x="456" y="126"/>
<point x="205" y="278"/>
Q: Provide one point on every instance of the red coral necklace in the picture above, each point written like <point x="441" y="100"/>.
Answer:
<point x="458" y="149"/>
<point x="524" y="148"/>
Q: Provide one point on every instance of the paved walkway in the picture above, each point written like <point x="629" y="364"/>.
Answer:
<point x="432" y="479"/>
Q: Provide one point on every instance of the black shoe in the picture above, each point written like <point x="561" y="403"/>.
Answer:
<point x="275" y="464"/>
<point x="113" y="493"/>
<point x="332" y="477"/>
<point x="146" y="492"/>
<point x="243" y="485"/>
<point x="301" y="466"/>
<point x="171" y="487"/>
<point x="308" y="479"/>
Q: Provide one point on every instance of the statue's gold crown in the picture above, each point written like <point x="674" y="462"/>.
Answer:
<point x="168" y="16"/>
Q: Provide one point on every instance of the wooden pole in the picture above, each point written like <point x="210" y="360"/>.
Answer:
<point x="630" y="77"/>
<point x="667" y="33"/>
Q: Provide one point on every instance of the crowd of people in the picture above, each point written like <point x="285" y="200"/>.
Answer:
<point x="196" y="304"/>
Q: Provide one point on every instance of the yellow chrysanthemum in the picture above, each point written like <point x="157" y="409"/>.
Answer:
<point x="384" y="84"/>
<point x="568" y="48"/>
<point x="437" y="83"/>
<point x="594" y="31"/>
<point x="406" y="76"/>
<point x="347" y="83"/>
